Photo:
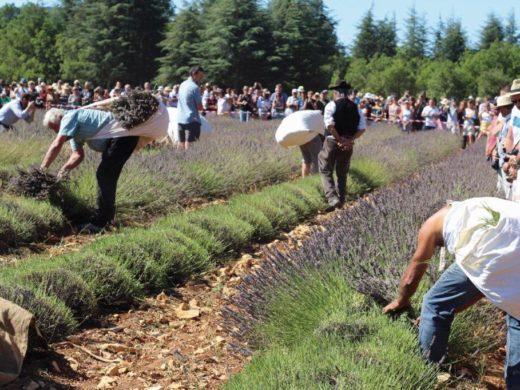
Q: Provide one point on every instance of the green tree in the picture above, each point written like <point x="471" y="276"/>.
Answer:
<point x="304" y="41"/>
<point x="27" y="43"/>
<point x="437" y="50"/>
<point x="416" y="36"/>
<point x="441" y="78"/>
<point x="365" y="44"/>
<point x="454" y="42"/>
<point x="180" y="46"/>
<point x="488" y="70"/>
<point x="492" y="31"/>
<point x="109" y="40"/>
<point x="386" y="37"/>
<point x="511" y="33"/>
<point x="234" y="42"/>
<point x="8" y="12"/>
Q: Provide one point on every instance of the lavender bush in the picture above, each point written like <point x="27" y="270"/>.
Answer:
<point x="369" y="246"/>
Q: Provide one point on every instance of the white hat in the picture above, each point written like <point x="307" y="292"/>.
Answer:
<point x="294" y="90"/>
<point x="515" y="88"/>
<point x="160" y="88"/>
<point x="504" y="101"/>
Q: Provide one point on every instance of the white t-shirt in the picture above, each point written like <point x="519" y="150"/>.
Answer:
<point x="430" y="115"/>
<point x="223" y="106"/>
<point x="515" y="122"/>
<point x="483" y="234"/>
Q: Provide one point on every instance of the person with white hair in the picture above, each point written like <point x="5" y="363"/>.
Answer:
<point x="80" y="127"/>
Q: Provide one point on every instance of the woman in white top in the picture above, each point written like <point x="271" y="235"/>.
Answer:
<point x="485" y="117"/>
<point x="470" y="117"/>
<point x="405" y="116"/>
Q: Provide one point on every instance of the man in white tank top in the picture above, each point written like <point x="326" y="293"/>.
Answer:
<point x="484" y="236"/>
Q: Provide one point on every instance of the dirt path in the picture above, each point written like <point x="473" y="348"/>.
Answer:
<point x="174" y="340"/>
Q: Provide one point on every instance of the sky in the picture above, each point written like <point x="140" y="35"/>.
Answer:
<point x="348" y="13"/>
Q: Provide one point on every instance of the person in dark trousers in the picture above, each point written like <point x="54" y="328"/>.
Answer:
<point x="344" y="123"/>
<point x="78" y="127"/>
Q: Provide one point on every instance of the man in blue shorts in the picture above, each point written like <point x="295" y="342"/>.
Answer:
<point x="188" y="107"/>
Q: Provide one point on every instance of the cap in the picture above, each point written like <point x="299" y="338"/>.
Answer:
<point x="294" y="90"/>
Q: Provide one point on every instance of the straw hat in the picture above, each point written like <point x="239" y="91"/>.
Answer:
<point x="515" y="88"/>
<point x="504" y="101"/>
<point x="167" y="89"/>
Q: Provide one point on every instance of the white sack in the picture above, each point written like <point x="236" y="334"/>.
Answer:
<point x="515" y="191"/>
<point x="154" y="128"/>
<point x="173" y="132"/>
<point x="299" y="128"/>
<point x="488" y="253"/>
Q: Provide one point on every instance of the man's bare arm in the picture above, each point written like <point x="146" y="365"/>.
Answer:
<point x="430" y="236"/>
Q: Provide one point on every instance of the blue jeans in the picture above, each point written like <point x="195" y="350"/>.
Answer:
<point x="244" y="116"/>
<point x="453" y="291"/>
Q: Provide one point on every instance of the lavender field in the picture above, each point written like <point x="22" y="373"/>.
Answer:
<point x="314" y="316"/>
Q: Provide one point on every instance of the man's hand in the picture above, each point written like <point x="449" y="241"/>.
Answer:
<point x="63" y="174"/>
<point x="346" y="143"/>
<point x="396" y="305"/>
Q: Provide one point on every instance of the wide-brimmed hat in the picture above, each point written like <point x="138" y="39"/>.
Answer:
<point x="167" y="89"/>
<point x="504" y="101"/>
<point x="515" y="88"/>
<point x="342" y="84"/>
<point x="301" y="88"/>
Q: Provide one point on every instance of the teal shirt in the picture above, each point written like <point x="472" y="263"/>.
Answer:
<point x="81" y="125"/>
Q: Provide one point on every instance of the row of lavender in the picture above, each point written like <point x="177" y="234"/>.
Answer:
<point x="368" y="246"/>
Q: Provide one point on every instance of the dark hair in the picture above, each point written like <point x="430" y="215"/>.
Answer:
<point x="196" y="69"/>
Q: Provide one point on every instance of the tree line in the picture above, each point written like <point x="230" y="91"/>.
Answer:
<point x="238" y="42"/>
<point x="435" y="59"/>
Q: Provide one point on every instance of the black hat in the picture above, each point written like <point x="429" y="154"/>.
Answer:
<point x="342" y="84"/>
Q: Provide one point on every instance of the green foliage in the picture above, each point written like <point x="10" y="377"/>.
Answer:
<point x="416" y="38"/>
<point x="103" y="39"/>
<point x="492" y="31"/>
<point x="440" y="78"/>
<point x="511" y="33"/>
<point x="27" y="42"/>
<point x="375" y="37"/>
<point x="53" y="318"/>
<point x="179" y="47"/>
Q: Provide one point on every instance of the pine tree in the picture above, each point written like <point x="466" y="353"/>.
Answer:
<point x="305" y="41"/>
<point x="109" y="40"/>
<point x="438" y="40"/>
<point x="492" y="31"/>
<point x="416" y="37"/>
<point x="365" y="44"/>
<point x="386" y="37"/>
<point x="180" y="46"/>
<point x="233" y="42"/>
<point x="511" y="29"/>
<point x="454" y="42"/>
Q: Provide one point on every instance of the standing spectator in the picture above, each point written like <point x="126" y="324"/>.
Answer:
<point x="278" y="89"/>
<point x="66" y="91"/>
<point x="190" y="102"/>
<point x="308" y="103"/>
<point x="205" y="96"/>
<point x="278" y="107"/>
<point x="393" y="111"/>
<point x="88" y="93"/>
<point x="147" y="87"/>
<point x="301" y="97"/>
<point x="318" y="104"/>
<point x="116" y="91"/>
<point x="21" y="89"/>
<point x="405" y="116"/>
<point x="51" y="97"/>
<point x="15" y="110"/>
<point x="245" y="104"/>
<point x="75" y="98"/>
<point x="419" y="107"/>
<point x="223" y="103"/>
<point x="504" y="106"/>
<point x="174" y="96"/>
<point x="344" y="123"/>
<point x="78" y="85"/>
<point x="99" y="94"/>
<point x="127" y="90"/>
<point x="485" y="117"/>
<point x="468" y="130"/>
<point x="292" y="102"/>
<point x="263" y="105"/>
<point x="324" y="97"/>
<point x="5" y="96"/>
<point x="452" y="117"/>
<point x="430" y="115"/>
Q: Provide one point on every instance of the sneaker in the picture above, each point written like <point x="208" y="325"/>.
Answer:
<point x="90" y="228"/>
<point x="334" y="203"/>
